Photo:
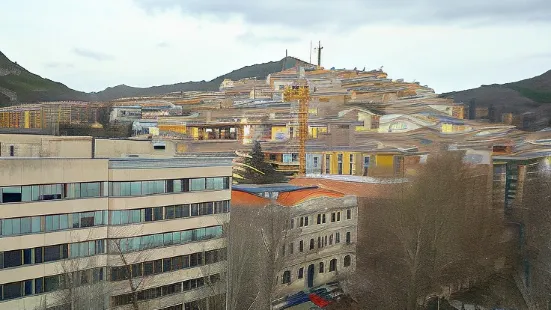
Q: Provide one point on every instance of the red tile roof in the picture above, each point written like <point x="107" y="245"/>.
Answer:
<point x="368" y="190"/>
<point x="292" y="198"/>
<point x="240" y="198"/>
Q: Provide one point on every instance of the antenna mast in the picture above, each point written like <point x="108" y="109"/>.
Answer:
<point x="319" y="54"/>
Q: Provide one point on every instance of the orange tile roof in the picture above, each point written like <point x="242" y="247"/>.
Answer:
<point x="368" y="190"/>
<point x="240" y="198"/>
<point x="292" y="198"/>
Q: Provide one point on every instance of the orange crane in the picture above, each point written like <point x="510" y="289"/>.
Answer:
<point x="301" y="92"/>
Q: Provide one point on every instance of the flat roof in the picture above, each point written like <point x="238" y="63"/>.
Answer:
<point x="262" y="188"/>
<point x="154" y="163"/>
<point x="145" y="163"/>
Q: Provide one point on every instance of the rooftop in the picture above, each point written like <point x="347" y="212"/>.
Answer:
<point x="150" y="163"/>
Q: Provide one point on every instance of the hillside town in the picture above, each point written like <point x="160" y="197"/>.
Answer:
<point x="272" y="194"/>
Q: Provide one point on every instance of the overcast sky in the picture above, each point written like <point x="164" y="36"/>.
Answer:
<point x="446" y="44"/>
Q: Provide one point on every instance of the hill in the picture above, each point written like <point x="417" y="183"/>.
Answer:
<point x="19" y="85"/>
<point x="260" y="71"/>
<point x="526" y="95"/>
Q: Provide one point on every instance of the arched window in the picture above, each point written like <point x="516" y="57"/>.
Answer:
<point x="321" y="268"/>
<point x="301" y="273"/>
<point x="286" y="277"/>
<point x="333" y="265"/>
<point x="347" y="261"/>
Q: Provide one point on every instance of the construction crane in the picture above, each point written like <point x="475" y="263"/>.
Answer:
<point x="301" y="92"/>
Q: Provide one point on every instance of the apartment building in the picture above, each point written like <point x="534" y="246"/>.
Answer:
<point x="317" y="242"/>
<point x="113" y="233"/>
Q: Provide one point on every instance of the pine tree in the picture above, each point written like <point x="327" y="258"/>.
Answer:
<point x="267" y="172"/>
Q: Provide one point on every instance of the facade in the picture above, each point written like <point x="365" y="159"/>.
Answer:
<point x="317" y="242"/>
<point x="74" y="228"/>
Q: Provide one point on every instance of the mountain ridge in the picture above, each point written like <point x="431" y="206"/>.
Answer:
<point x="18" y="85"/>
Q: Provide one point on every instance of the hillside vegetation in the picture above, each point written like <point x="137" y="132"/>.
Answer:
<point x="18" y="85"/>
<point x="516" y="97"/>
<point x="260" y="71"/>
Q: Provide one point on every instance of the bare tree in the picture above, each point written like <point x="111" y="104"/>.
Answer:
<point x="535" y="238"/>
<point x="436" y="236"/>
<point x="258" y="239"/>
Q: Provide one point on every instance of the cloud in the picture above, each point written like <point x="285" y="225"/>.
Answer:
<point x="322" y="15"/>
<point x="59" y="65"/>
<point x="92" y="54"/>
<point x="163" y="44"/>
<point x="252" y="38"/>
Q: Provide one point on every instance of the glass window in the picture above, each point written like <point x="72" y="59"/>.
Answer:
<point x="38" y="283"/>
<point x="12" y="290"/>
<point x="55" y="222"/>
<point x="11" y="194"/>
<point x="52" y="253"/>
<point x="136" y="188"/>
<point x="36" y="224"/>
<point x="63" y="221"/>
<point x="195" y="209"/>
<point x="169" y="212"/>
<point x="348" y="214"/>
<point x="26" y="193"/>
<point x="167" y="239"/>
<point x="51" y="283"/>
<point x="25" y="225"/>
<point x="98" y="217"/>
<point x="158" y="213"/>
<point x="115" y="217"/>
<point x="197" y="184"/>
<point x="210" y="183"/>
<point x="87" y="219"/>
<point x="13" y="258"/>
<point x="177" y="186"/>
<point x="136" y="216"/>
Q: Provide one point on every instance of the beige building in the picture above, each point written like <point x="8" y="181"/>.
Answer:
<point x="318" y="242"/>
<point x="113" y="233"/>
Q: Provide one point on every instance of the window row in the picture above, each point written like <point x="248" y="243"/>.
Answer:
<point x="39" y="255"/>
<point x="124" y="217"/>
<point x="142" y="188"/>
<point x="321" y="218"/>
<point x="140" y="243"/>
<point x="167" y="265"/>
<point x="51" y="283"/>
<point x="49" y="223"/>
<point x="322" y="241"/>
<point x="166" y="290"/>
<point x="28" y="193"/>
<point x="287" y="277"/>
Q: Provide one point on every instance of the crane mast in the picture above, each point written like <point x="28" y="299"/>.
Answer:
<point x="301" y="92"/>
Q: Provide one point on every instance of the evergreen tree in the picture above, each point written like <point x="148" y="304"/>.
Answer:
<point x="263" y="172"/>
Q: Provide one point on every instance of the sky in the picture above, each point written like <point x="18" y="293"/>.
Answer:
<point x="445" y="44"/>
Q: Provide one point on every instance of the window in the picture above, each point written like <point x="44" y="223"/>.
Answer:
<point x="327" y="164"/>
<point x="12" y="150"/>
<point x="315" y="161"/>
<point x="347" y="261"/>
<point x="305" y="221"/>
<point x="12" y="290"/>
<point x="301" y="246"/>
<point x="319" y="218"/>
<point x="286" y="279"/>
<point x="339" y="163"/>
<point x="365" y="166"/>
<point x="333" y="265"/>
<point x="331" y="239"/>
<point x="338" y="216"/>
<point x="333" y="217"/>
<point x="337" y="237"/>
<point x="301" y="273"/>
<point x="323" y="218"/>
<point x="283" y="250"/>
<point x="321" y="268"/>
<point x="348" y="238"/>
<point x="292" y="223"/>
<point x="291" y="248"/>
<point x="348" y="214"/>
<point x="351" y="164"/>
<point x="312" y="243"/>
